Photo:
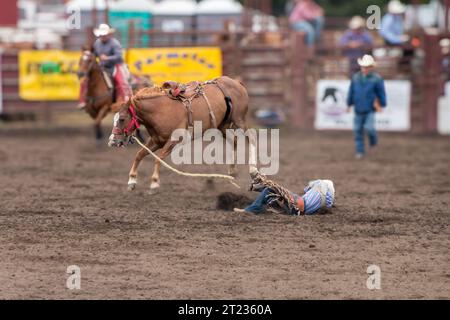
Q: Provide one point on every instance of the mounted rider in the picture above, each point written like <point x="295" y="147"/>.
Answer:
<point x="109" y="51"/>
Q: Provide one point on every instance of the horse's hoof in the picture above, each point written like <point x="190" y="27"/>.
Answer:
<point x="131" y="187"/>
<point x="152" y="192"/>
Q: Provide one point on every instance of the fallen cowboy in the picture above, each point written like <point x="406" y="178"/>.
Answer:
<point x="318" y="196"/>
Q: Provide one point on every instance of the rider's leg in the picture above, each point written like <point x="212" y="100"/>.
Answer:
<point x="122" y="84"/>
<point x="83" y="94"/>
<point x="259" y="205"/>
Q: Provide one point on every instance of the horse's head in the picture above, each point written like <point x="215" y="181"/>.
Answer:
<point x="85" y="64"/>
<point x="125" y="124"/>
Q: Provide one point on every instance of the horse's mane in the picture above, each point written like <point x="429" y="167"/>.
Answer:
<point x="149" y="93"/>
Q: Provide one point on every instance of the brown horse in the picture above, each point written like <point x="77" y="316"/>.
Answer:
<point x="100" y="95"/>
<point x="161" y="116"/>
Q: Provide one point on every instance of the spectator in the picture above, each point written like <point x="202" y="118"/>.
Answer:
<point x="367" y="94"/>
<point x="445" y="47"/>
<point x="308" y="16"/>
<point x="289" y="7"/>
<point x="392" y="24"/>
<point x="356" y="42"/>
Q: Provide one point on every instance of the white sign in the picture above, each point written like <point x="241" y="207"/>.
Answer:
<point x="172" y="26"/>
<point x="331" y="106"/>
<point x="444" y="112"/>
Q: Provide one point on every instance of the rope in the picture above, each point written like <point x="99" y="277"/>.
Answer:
<point x="211" y="113"/>
<point x="279" y="191"/>
<point x="230" y="179"/>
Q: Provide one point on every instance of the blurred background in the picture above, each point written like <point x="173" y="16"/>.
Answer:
<point x="63" y="194"/>
<point x="286" y="76"/>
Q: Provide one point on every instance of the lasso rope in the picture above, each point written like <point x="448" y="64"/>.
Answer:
<point x="278" y="191"/>
<point x="230" y="179"/>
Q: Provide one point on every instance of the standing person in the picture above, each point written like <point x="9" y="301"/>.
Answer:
<point x="308" y="16"/>
<point x="356" y="42"/>
<point x="109" y="51"/>
<point x="367" y="95"/>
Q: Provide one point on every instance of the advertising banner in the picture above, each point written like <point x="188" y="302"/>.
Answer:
<point x="176" y="64"/>
<point x="331" y="106"/>
<point x="48" y="75"/>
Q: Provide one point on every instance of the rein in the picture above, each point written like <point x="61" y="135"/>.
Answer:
<point x="134" y="123"/>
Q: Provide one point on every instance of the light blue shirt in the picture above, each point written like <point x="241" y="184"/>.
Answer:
<point x="313" y="199"/>
<point x="392" y="27"/>
<point x="110" y="48"/>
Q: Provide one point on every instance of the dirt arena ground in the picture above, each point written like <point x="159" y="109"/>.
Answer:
<point x="63" y="202"/>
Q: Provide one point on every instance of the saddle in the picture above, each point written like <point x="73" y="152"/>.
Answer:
<point x="176" y="90"/>
<point x="190" y="91"/>
<point x="110" y="84"/>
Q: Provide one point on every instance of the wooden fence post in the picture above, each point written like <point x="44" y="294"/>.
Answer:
<point x="247" y="18"/>
<point x="432" y="82"/>
<point x="298" y="81"/>
<point x="131" y="35"/>
<point x="90" y="39"/>
<point x="106" y="12"/>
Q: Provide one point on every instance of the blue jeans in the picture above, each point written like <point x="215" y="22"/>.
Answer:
<point x="259" y="205"/>
<point x="313" y="29"/>
<point x="364" y="122"/>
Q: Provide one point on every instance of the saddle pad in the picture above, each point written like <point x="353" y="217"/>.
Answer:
<point x="108" y="80"/>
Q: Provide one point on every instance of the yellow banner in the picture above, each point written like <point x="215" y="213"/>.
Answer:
<point x="176" y="64"/>
<point x="48" y="75"/>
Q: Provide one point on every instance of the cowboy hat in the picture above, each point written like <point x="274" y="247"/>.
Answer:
<point x="396" y="7"/>
<point x="366" y="61"/>
<point x="356" y="22"/>
<point x="103" y="30"/>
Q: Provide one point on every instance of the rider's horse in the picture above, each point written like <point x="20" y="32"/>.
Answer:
<point x="100" y="90"/>
<point x="99" y="95"/>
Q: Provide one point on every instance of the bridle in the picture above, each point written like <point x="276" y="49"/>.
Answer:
<point x="86" y="55"/>
<point x="134" y="123"/>
<point x="81" y="74"/>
